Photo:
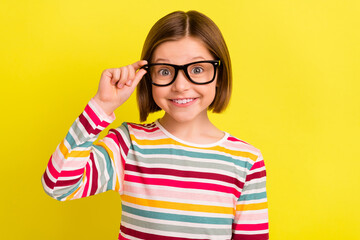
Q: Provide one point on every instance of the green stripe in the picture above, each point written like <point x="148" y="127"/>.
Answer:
<point x="153" y="225"/>
<point x="66" y="190"/>
<point x="177" y="217"/>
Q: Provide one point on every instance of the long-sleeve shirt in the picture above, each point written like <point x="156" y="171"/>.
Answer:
<point x="170" y="189"/>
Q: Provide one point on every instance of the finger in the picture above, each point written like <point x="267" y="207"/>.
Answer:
<point x="139" y="64"/>
<point x="116" y="75"/>
<point x="123" y="77"/>
<point x="132" y="72"/>
<point x="131" y="75"/>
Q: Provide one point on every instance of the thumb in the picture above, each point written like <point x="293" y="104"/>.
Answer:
<point x="139" y="64"/>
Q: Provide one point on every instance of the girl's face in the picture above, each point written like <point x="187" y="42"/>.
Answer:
<point x="183" y="101"/>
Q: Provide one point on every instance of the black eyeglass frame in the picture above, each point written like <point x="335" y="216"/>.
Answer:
<point x="215" y="63"/>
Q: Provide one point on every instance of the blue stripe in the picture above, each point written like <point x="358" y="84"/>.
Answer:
<point x="73" y="144"/>
<point x="70" y="140"/>
<point x="109" y="166"/>
<point x="253" y="196"/>
<point x="177" y="217"/>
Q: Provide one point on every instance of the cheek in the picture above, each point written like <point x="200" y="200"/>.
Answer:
<point x="157" y="95"/>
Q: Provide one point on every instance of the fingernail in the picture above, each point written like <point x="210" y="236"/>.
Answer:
<point x="121" y="85"/>
<point x="128" y="82"/>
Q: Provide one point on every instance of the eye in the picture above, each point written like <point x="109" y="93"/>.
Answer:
<point x="164" y="72"/>
<point x="197" y="70"/>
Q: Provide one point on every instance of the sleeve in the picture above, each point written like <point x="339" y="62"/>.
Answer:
<point x="251" y="217"/>
<point x="79" y="168"/>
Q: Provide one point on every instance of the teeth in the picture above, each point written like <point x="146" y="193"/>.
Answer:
<point x="183" y="101"/>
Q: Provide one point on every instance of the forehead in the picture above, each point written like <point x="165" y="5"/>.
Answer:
<point x="181" y="51"/>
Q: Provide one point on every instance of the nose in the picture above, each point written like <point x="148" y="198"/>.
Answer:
<point x="182" y="83"/>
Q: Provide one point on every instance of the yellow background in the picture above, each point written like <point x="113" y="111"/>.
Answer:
<point x="296" y="97"/>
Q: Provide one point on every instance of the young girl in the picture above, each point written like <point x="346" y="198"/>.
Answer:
<point x="179" y="177"/>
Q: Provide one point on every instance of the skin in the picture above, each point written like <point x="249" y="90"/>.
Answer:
<point x="188" y="122"/>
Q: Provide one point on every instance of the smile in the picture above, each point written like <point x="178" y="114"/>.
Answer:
<point x="183" y="101"/>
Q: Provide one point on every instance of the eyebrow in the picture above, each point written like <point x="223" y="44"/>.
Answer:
<point x="167" y="60"/>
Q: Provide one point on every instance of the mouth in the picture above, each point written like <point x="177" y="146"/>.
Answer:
<point x="183" y="100"/>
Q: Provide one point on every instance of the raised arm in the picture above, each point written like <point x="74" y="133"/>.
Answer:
<point x="78" y="167"/>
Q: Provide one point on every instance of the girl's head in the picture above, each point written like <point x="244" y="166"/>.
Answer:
<point x="176" y="26"/>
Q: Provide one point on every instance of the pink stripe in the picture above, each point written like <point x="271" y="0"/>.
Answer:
<point x="237" y="146"/>
<point x="52" y="169"/>
<point x="251" y="227"/>
<point x="182" y="184"/>
<point x="251" y="217"/>
<point x="181" y="195"/>
<point x="73" y="163"/>
<point x="154" y="135"/>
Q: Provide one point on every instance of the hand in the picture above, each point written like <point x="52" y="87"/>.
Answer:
<point x="117" y="84"/>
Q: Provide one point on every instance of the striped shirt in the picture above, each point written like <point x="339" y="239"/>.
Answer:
<point x="170" y="189"/>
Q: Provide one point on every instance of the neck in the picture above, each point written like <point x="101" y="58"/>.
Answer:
<point x="199" y="130"/>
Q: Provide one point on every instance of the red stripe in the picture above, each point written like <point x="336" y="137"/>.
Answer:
<point x="72" y="173"/>
<point x="87" y="180"/>
<point x="251" y="227"/>
<point x="264" y="236"/>
<point x="50" y="184"/>
<point x="94" y="181"/>
<point x="64" y="183"/>
<point x="84" y="121"/>
<point x="54" y="173"/>
<point x="142" y="235"/>
<point x="258" y="164"/>
<point x="185" y="174"/>
<point x="236" y="140"/>
<point x="141" y="127"/>
<point x="182" y="184"/>
<point x="94" y="117"/>
<point x="256" y="175"/>
<point x="121" y="143"/>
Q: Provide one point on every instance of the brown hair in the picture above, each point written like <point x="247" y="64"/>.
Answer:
<point x="175" y="26"/>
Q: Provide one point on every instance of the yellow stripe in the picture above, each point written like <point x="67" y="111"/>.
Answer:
<point x="72" y="195"/>
<point x="111" y="155"/>
<point x="75" y="154"/>
<point x="254" y="206"/>
<point x="63" y="149"/>
<point x="178" y="206"/>
<point x="67" y="154"/>
<point x="216" y="148"/>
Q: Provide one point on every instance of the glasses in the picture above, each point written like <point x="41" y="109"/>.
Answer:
<point x="164" y="74"/>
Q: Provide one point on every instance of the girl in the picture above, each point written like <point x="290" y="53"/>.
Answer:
<point x="179" y="177"/>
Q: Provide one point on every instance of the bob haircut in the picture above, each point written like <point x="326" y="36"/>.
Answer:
<point x="175" y="26"/>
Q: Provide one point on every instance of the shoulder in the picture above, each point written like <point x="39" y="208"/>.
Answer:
<point x="137" y="128"/>
<point x="242" y="149"/>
